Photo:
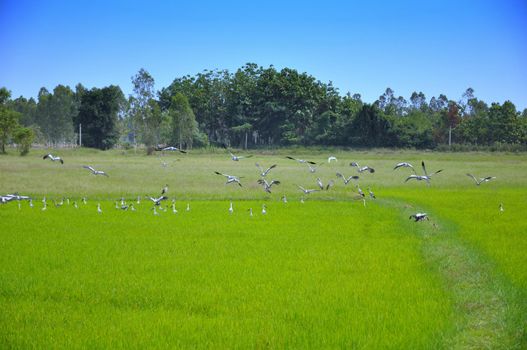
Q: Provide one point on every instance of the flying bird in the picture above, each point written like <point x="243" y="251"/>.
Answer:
<point x="424" y="177"/>
<point x="312" y="168"/>
<point x="301" y="160"/>
<point x="332" y="158"/>
<point x="263" y="173"/>
<point x="362" y="169"/>
<point x="237" y="158"/>
<point x="481" y="179"/>
<point x="53" y="158"/>
<point x="267" y="185"/>
<point x="419" y="217"/>
<point x="347" y="180"/>
<point x="230" y="178"/>
<point x="157" y="201"/>
<point x="95" y="172"/>
<point x="170" y="148"/>
<point x="306" y="191"/>
<point x="403" y="165"/>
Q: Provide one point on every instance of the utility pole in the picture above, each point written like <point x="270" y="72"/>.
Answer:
<point x="80" y="135"/>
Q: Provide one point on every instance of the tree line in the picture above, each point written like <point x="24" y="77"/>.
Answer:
<point x="255" y="107"/>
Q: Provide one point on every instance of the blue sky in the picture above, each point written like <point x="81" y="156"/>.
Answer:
<point x="361" y="46"/>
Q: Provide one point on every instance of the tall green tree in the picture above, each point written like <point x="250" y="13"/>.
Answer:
<point x="8" y="119"/>
<point x="98" y="114"/>
<point x="183" y="121"/>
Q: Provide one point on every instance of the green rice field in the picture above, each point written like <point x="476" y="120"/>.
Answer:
<point x="323" y="270"/>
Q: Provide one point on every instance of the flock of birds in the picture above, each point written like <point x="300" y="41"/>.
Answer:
<point x="266" y="184"/>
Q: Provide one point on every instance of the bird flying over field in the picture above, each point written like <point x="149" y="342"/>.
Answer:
<point x="230" y="178"/>
<point x="12" y="197"/>
<point x="263" y="173"/>
<point x="95" y="172"/>
<point x="312" y="168"/>
<point x="237" y="158"/>
<point x="362" y="169"/>
<point x="481" y="179"/>
<point x="301" y="160"/>
<point x="404" y="165"/>
<point x="306" y="191"/>
<point x="424" y="177"/>
<point x="53" y="158"/>
<point x="170" y="148"/>
<point x="332" y="158"/>
<point x="157" y="201"/>
<point x="347" y="180"/>
<point x="267" y="185"/>
<point x="419" y="217"/>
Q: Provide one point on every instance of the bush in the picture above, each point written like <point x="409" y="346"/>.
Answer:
<point x="23" y="138"/>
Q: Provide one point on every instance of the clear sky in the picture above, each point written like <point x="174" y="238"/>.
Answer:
<point x="361" y="46"/>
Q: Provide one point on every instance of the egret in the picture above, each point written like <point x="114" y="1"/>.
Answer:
<point x="263" y="173"/>
<point x="347" y="180"/>
<point x="301" y="160"/>
<point x="267" y="185"/>
<point x="362" y="169"/>
<point x="95" y="172"/>
<point x="419" y="217"/>
<point x="306" y="191"/>
<point x="332" y="158"/>
<point x="481" y="179"/>
<point x="230" y="178"/>
<point x="404" y="165"/>
<point x="237" y="158"/>
<point x="53" y="159"/>
<point x="424" y="177"/>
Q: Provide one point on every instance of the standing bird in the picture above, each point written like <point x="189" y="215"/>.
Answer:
<point x="132" y="207"/>
<point x="347" y="180"/>
<point x="164" y="190"/>
<point x="174" y="210"/>
<point x="263" y="173"/>
<point x="75" y="205"/>
<point x="264" y="209"/>
<point x="250" y="211"/>
<point x="231" y="209"/>
<point x="362" y="169"/>
<point x="99" y="210"/>
<point x="481" y="179"/>
<point x="403" y="165"/>
<point x="53" y="159"/>
<point x="267" y="185"/>
<point x="424" y="177"/>
<point x="84" y="201"/>
<point x="31" y="203"/>
<point x="95" y="172"/>
<point x="44" y="207"/>
<point x="237" y="158"/>
<point x="230" y="178"/>
<point x="188" y="206"/>
<point x="284" y="199"/>
<point x="301" y="160"/>
<point x="372" y="195"/>
<point x="501" y="208"/>
<point x="419" y="217"/>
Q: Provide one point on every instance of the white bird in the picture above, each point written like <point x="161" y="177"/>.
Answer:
<point x="306" y="191"/>
<point x="231" y="209"/>
<point x="302" y="200"/>
<point x="264" y="209"/>
<point x="332" y="158"/>
<point x="501" y="208"/>
<point x="99" y="210"/>
<point x="424" y="177"/>
<point x="188" y="206"/>
<point x="301" y="160"/>
<point x="53" y="159"/>
<point x="263" y="173"/>
<point x="75" y="205"/>
<point x="138" y="199"/>
<point x="116" y="205"/>
<point x="250" y="211"/>
<point x="157" y="201"/>
<point x="362" y="169"/>
<point x="155" y="211"/>
<point x="230" y="178"/>
<point x="174" y="210"/>
<point x="419" y="217"/>
<point x="284" y="199"/>
<point x="93" y="171"/>
<point x="267" y="185"/>
<point x="312" y="169"/>
<point x="84" y="201"/>
<point x="404" y="165"/>
<point x="31" y="203"/>
<point x="171" y="148"/>
<point x="132" y="207"/>
<point x="12" y="197"/>
<point x="481" y="179"/>
<point x="237" y="158"/>
<point x="360" y="192"/>
<point x="347" y="180"/>
<point x="45" y="206"/>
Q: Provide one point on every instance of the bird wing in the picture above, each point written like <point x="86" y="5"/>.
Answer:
<point x="473" y="177"/>
<point x="46" y="156"/>
<point x="411" y="177"/>
<point x="269" y="169"/>
<point x="354" y="164"/>
<point x="437" y="172"/>
<point x="424" y="168"/>
<point x="310" y="162"/>
<point x="340" y="175"/>
<point x="181" y="151"/>
<point x="488" y="178"/>
<point x="88" y="167"/>
<point x="275" y="182"/>
<point x="302" y="188"/>
<point x="218" y="173"/>
<point x="289" y="157"/>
